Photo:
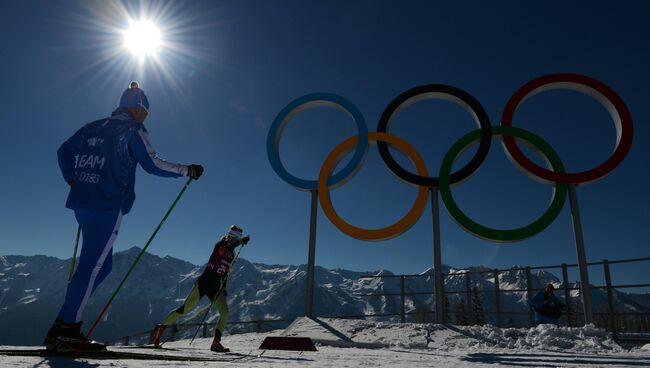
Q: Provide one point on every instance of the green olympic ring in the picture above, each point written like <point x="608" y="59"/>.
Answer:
<point x="536" y="143"/>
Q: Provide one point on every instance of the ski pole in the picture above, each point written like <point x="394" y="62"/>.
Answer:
<point x="117" y="290"/>
<point x="74" y="254"/>
<point x="223" y="286"/>
<point x="206" y="313"/>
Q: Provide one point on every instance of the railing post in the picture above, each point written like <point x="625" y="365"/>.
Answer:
<point x="470" y="305"/>
<point x="401" y="291"/>
<point x="205" y="330"/>
<point x="529" y="296"/>
<point x="497" y="296"/>
<point x="610" y="299"/>
<point x="567" y="293"/>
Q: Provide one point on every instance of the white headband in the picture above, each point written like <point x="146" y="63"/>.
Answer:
<point x="235" y="233"/>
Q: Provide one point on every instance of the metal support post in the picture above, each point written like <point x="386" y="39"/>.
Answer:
<point x="437" y="259"/>
<point x="585" y="287"/>
<point x="312" y="255"/>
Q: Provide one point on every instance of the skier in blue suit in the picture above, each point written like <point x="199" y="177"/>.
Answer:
<point x="98" y="162"/>
<point x="548" y="307"/>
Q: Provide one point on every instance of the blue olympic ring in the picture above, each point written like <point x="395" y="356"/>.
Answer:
<point x="305" y="103"/>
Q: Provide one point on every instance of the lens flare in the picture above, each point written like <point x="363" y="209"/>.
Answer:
<point x="142" y="38"/>
<point x="158" y="43"/>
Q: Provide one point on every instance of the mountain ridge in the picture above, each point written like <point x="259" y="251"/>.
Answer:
<point x="32" y="289"/>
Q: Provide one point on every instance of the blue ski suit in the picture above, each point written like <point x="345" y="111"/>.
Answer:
<point x="548" y="308"/>
<point x="99" y="163"/>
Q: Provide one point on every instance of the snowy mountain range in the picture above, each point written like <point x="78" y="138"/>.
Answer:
<point x="32" y="289"/>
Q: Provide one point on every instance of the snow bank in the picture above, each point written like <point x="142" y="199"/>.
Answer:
<point x="587" y="339"/>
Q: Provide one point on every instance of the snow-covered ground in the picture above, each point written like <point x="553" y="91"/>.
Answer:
<point x="405" y="345"/>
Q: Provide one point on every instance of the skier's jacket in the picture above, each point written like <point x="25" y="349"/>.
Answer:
<point x="548" y="308"/>
<point x="221" y="258"/>
<point x="99" y="161"/>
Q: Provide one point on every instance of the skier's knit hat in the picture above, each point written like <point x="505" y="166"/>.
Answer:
<point x="134" y="97"/>
<point x="235" y="232"/>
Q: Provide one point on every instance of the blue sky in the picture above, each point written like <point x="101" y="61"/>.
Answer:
<point x="236" y="64"/>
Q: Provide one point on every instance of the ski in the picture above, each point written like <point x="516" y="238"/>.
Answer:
<point x="114" y="354"/>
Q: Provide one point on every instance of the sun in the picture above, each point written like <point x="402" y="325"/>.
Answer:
<point x="153" y="42"/>
<point x="142" y="38"/>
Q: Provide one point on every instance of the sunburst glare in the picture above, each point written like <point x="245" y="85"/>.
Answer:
<point x="142" y="38"/>
<point x="152" y="42"/>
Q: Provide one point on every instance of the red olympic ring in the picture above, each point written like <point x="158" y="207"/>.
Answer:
<point x="593" y="88"/>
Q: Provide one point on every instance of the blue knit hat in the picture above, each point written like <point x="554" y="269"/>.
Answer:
<point x="134" y="97"/>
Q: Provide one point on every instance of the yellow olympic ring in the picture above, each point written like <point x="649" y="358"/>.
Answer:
<point x="388" y="232"/>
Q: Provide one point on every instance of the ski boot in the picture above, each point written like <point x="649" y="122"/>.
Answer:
<point x="67" y="337"/>
<point x="50" y="340"/>
<point x="156" y="334"/>
<point x="216" y="343"/>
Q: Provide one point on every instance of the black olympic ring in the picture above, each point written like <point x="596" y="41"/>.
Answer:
<point x="445" y="92"/>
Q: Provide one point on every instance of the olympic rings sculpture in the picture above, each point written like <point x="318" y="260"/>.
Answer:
<point x="555" y="175"/>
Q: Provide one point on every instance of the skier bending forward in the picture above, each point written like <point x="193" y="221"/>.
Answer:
<point x="211" y="283"/>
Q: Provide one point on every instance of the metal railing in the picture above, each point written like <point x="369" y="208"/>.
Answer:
<point x="612" y="320"/>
